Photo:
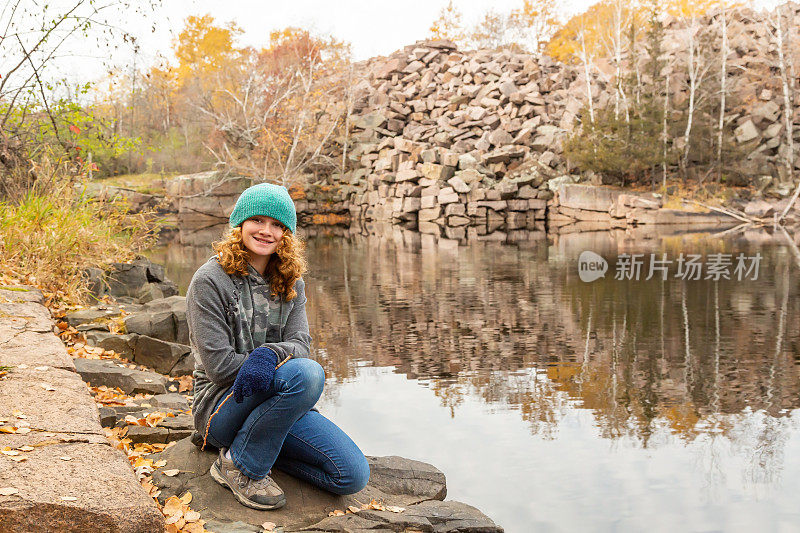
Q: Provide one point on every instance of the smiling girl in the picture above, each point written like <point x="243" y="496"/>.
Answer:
<point x="255" y="387"/>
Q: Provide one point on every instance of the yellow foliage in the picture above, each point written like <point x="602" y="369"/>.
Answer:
<point x="203" y="48"/>
<point x="448" y="25"/>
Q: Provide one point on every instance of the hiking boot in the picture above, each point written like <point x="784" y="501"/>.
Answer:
<point x="262" y="494"/>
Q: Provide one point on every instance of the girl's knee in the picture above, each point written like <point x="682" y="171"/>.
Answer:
<point x="306" y="375"/>
<point x="356" y="478"/>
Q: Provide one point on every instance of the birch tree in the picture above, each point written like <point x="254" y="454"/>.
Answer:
<point x="780" y="33"/>
<point x="697" y="67"/>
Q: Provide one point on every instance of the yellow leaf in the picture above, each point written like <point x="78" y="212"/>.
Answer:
<point x="9" y="452"/>
<point x="268" y="526"/>
<point x="191" y="516"/>
<point x="8" y="491"/>
<point x="193" y="527"/>
<point x="186" y="498"/>
<point x="26" y="448"/>
<point x="171" y="473"/>
<point x="160" y="463"/>
<point x="172" y="506"/>
<point x="353" y="509"/>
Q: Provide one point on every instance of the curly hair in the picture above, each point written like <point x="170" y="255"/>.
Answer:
<point x="284" y="268"/>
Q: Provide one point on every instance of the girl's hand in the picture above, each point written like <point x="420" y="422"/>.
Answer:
<point x="256" y="374"/>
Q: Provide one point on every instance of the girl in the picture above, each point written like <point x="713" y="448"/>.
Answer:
<point x="254" y="384"/>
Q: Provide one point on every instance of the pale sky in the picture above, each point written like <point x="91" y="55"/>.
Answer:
<point x="372" y="27"/>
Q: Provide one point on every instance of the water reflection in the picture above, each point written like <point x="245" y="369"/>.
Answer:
<point x="709" y="368"/>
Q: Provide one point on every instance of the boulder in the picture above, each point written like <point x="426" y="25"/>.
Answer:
<point x="413" y="485"/>
<point x="110" y="373"/>
<point x="162" y="356"/>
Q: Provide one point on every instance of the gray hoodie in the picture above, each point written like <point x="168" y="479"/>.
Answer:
<point x="229" y="317"/>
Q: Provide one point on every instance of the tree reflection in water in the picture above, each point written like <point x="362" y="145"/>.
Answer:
<point x="514" y="325"/>
<point x="716" y="363"/>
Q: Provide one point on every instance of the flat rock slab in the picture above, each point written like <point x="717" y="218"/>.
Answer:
<point x="306" y="504"/>
<point x="68" y="408"/>
<point x="398" y="475"/>
<point x="72" y="479"/>
<point x="17" y="317"/>
<point x="33" y="349"/>
<point x="171" y="400"/>
<point x="430" y="516"/>
<point x="19" y="294"/>
<point x="95" y="490"/>
<point x="588" y="197"/>
<point x="109" y="373"/>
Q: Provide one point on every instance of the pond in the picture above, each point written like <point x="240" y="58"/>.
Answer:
<point x="557" y="404"/>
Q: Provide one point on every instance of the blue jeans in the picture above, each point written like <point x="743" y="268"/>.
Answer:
<point x="280" y="430"/>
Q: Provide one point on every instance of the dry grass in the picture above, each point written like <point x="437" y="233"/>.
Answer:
<point x="49" y="238"/>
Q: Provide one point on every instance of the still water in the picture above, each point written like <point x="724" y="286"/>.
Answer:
<point x="554" y="404"/>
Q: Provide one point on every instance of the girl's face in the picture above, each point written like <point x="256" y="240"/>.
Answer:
<point x="261" y="235"/>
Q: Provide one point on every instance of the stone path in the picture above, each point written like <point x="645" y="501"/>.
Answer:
<point x="71" y="479"/>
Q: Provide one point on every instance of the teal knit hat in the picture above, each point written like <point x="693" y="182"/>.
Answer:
<point x="265" y="199"/>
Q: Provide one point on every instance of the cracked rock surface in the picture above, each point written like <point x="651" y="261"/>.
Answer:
<point x="72" y="480"/>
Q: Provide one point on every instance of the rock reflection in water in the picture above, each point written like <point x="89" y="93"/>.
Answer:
<point x="636" y="353"/>
<point x="715" y="365"/>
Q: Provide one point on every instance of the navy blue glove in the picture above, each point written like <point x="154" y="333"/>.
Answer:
<point x="256" y="374"/>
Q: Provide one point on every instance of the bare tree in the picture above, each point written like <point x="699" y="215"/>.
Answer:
<point x="723" y="78"/>
<point x="697" y="66"/>
<point x="279" y="118"/>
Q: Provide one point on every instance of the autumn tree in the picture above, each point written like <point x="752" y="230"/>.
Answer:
<point x="39" y="108"/>
<point x="277" y="111"/>
<point x="449" y="25"/>
<point x="534" y="23"/>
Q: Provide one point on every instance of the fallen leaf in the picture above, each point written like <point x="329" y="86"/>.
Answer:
<point x="171" y="529"/>
<point x="337" y="512"/>
<point x="268" y="526"/>
<point x="23" y="431"/>
<point x="47" y="387"/>
<point x="185" y="383"/>
<point x="193" y="527"/>
<point x="8" y="491"/>
<point x="186" y="498"/>
<point x="9" y="452"/>
<point x="65" y="458"/>
<point x="18" y="459"/>
<point x="395" y="509"/>
<point x="172" y="519"/>
<point x="171" y="473"/>
<point x="353" y="508"/>
<point x="191" y="516"/>
<point x="8" y="429"/>
<point x="69" y="499"/>
<point x="173" y="388"/>
<point x="160" y="463"/>
<point x="172" y="506"/>
<point x="26" y="448"/>
<point x="40" y="368"/>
